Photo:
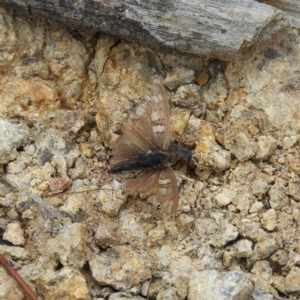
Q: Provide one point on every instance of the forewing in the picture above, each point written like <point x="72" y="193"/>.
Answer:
<point x="147" y="129"/>
<point x="158" y="184"/>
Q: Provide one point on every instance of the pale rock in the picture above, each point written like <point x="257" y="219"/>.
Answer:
<point x="266" y="147"/>
<point x="269" y="219"/>
<point x="111" y="198"/>
<point x="119" y="267"/>
<point x="75" y="204"/>
<point x="167" y="294"/>
<point x="186" y="221"/>
<point x="225" y="234"/>
<point x="178" y="77"/>
<point x="157" y="235"/>
<point x="263" y="270"/>
<point x="242" y="202"/>
<point x="72" y="245"/>
<point x="239" y="142"/>
<point x="289" y="285"/>
<point x="71" y="157"/>
<point x="187" y="96"/>
<point x="242" y="248"/>
<point x="145" y="288"/>
<point x="50" y="143"/>
<point x="8" y="200"/>
<point x="278" y="198"/>
<point x="288" y="142"/>
<point x="9" y="288"/>
<point x="68" y="282"/>
<point x="15" y="252"/>
<point x="294" y="189"/>
<point x="14" y="234"/>
<point x="11" y="137"/>
<point x="256" y="207"/>
<point x="211" y="284"/>
<point x="79" y="169"/>
<point x="225" y="197"/>
<point x="260" y="187"/>
<point x="280" y="257"/>
<point x="265" y="247"/>
<point x="209" y="154"/>
<point x="124" y="296"/>
<point x="294" y="166"/>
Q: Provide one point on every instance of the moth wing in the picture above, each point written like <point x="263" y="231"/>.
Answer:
<point x="158" y="184"/>
<point x="148" y="129"/>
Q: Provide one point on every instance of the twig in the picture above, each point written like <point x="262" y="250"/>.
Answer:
<point x="11" y="270"/>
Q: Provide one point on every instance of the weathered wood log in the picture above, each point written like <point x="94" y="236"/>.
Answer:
<point x="214" y="28"/>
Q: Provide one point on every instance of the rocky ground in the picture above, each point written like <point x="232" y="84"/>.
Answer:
<point x="236" y="234"/>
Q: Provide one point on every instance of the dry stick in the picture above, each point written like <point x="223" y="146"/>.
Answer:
<point x="10" y="269"/>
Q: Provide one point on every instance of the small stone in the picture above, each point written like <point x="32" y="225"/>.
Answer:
<point x="157" y="235"/>
<point x="9" y="288"/>
<point x="14" y="251"/>
<point x="263" y="270"/>
<point x="225" y="197"/>
<point x="119" y="267"/>
<point x="68" y="282"/>
<point x="265" y="247"/>
<point x="124" y="296"/>
<point x="186" y="221"/>
<point x="79" y="169"/>
<point x="294" y="188"/>
<point x="72" y="246"/>
<point x="178" y="77"/>
<point x="11" y="137"/>
<point x="280" y="257"/>
<point x="256" y="207"/>
<point x="278" y="198"/>
<point x="225" y="234"/>
<point x="59" y="185"/>
<point x="290" y="284"/>
<point x="14" y="234"/>
<point x="239" y="142"/>
<point x="269" y="219"/>
<point x="201" y="78"/>
<point x="242" y="203"/>
<point x="74" y="205"/>
<point x="266" y="147"/>
<point x="187" y="96"/>
<point x="145" y="288"/>
<point x="242" y="248"/>
<point x="167" y="294"/>
<point x="211" y="284"/>
<point x="111" y="198"/>
<point x="288" y="142"/>
<point x="259" y="188"/>
<point x="209" y="154"/>
<point x="103" y="238"/>
<point x="294" y="166"/>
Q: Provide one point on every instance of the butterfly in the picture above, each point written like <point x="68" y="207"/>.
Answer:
<point x="144" y="145"/>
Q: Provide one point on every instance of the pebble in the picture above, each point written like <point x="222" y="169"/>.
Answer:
<point x="14" y="234"/>
<point x="119" y="267"/>
<point x="11" y="137"/>
<point x="111" y="198"/>
<point x="103" y="238"/>
<point x="225" y="197"/>
<point x="242" y="248"/>
<point x="266" y="147"/>
<point x="288" y="142"/>
<point x="124" y="296"/>
<point x="9" y="288"/>
<point x="68" y="282"/>
<point x="178" y="77"/>
<point x="225" y="234"/>
<point x="259" y="188"/>
<point x="294" y="189"/>
<point x="72" y="245"/>
<point x="187" y="96"/>
<point x="269" y="219"/>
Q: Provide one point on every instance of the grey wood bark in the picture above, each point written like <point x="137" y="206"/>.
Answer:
<point x="214" y="28"/>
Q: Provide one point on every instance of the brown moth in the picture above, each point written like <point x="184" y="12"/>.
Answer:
<point x="144" y="145"/>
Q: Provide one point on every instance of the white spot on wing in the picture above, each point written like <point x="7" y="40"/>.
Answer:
<point x="163" y="191"/>
<point x="139" y="111"/>
<point x="155" y="116"/>
<point x="164" y="181"/>
<point x="158" y="128"/>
